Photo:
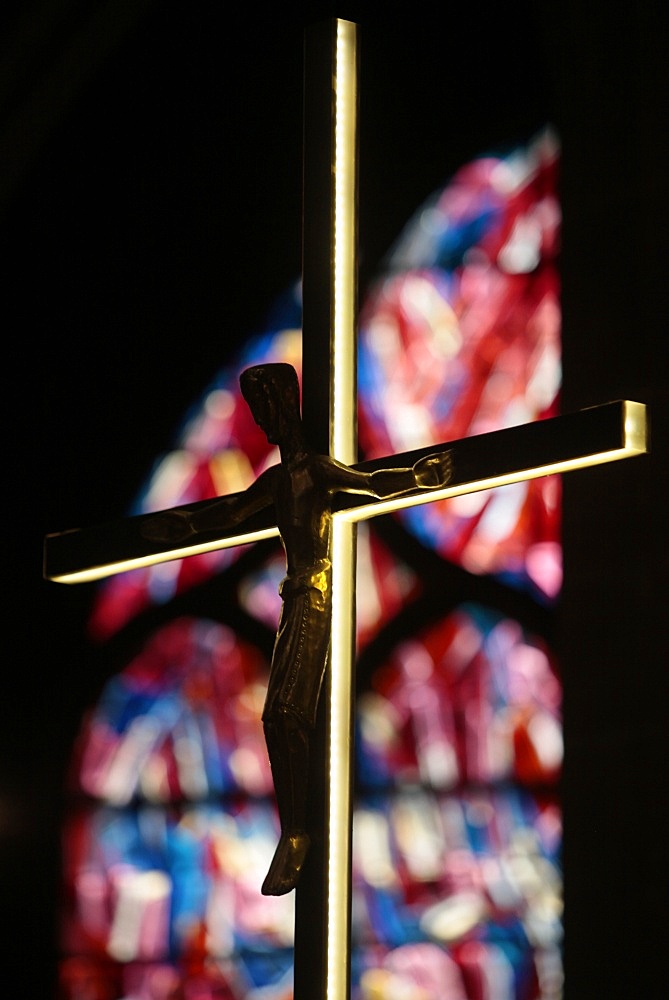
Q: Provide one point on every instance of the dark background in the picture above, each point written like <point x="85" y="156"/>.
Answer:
<point x="150" y="213"/>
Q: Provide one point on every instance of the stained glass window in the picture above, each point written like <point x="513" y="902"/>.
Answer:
<point x="463" y="337"/>
<point x="457" y="827"/>
<point x="458" y="832"/>
<point x="162" y="872"/>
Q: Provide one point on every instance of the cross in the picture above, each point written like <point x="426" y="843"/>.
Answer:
<point x="600" y="434"/>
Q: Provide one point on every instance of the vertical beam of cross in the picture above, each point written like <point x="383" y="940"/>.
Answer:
<point x="329" y="292"/>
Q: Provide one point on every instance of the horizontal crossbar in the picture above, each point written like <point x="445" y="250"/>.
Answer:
<point x="546" y="447"/>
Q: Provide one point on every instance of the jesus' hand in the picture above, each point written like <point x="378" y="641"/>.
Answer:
<point x="433" y="471"/>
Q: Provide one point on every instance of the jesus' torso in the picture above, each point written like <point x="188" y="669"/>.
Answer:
<point x="303" y="491"/>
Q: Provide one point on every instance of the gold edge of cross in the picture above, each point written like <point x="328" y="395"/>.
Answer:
<point x="344" y="448"/>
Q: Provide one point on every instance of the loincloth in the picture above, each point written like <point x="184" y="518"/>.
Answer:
<point x="300" y="653"/>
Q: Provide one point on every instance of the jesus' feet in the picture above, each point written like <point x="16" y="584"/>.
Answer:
<point x="286" y="864"/>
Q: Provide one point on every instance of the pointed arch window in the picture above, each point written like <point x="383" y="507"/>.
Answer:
<point x="457" y="829"/>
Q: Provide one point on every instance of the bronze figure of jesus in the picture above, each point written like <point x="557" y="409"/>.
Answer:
<point x="301" y="488"/>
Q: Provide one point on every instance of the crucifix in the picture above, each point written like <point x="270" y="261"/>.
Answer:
<point x="321" y="861"/>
